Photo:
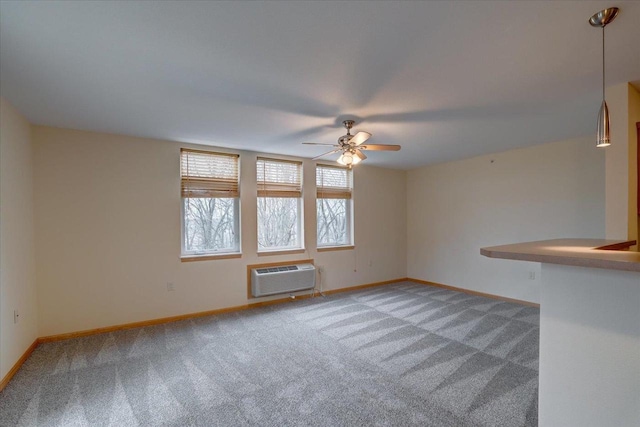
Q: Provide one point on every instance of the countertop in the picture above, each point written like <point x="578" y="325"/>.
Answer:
<point x="577" y="252"/>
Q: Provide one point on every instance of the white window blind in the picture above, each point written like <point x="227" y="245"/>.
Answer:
<point x="279" y="178"/>
<point x="333" y="182"/>
<point x="208" y="174"/>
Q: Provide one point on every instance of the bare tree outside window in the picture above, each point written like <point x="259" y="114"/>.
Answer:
<point x="210" y="202"/>
<point x="209" y="224"/>
<point x="278" y="225"/>
<point x="332" y="222"/>
<point x="279" y="185"/>
<point x="333" y="205"/>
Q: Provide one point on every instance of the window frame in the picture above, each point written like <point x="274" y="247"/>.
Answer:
<point x="349" y="211"/>
<point x="219" y="253"/>
<point x="264" y="192"/>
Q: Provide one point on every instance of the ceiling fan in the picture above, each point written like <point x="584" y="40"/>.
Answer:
<point x="352" y="146"/>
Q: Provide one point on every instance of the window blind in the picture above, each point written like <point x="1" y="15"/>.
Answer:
<point x="208" y="174"/>
<point x="279" y="178"/>
<point x="333" y="182"/>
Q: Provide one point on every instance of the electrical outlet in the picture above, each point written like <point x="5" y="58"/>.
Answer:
<point x="532" y="275"/>
<point x="170" y="287"/>
<point x="16" y="316"/>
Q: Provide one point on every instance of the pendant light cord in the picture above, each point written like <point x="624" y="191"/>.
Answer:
<point x="603" y="62"/>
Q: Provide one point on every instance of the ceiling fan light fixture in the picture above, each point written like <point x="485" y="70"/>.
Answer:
<point x="346" y="159"/>
<point x="601" y="19"/>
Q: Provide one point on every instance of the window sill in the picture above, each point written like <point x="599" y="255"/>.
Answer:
<point x="282" y="252"/>
<point x="335" y="248"/>
<point x="208" y="257"/>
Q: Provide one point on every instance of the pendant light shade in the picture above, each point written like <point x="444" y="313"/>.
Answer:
<point x="601" y="19"/>
<point x="602" y="138"/>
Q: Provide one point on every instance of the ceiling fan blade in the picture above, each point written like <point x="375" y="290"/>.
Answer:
<point x="319" y="143"/>
<point x="327" y="153"/>
<point x="359" y="138"/>
<point x="360" y="155"/>
<point x="380" y="147"/>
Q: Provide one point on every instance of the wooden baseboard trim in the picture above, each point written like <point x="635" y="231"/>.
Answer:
<point x="469" y="291"/>
<point x="159" y="321"/>
<point x="18" y="364"/>
<point x="140" y="324"/>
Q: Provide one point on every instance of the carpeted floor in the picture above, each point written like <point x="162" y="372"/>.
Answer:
<point x="403" y="354"/>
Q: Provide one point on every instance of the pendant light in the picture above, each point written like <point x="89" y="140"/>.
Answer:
<point x="601" y="19"/>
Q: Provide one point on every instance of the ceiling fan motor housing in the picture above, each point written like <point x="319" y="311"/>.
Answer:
<point x="344" y="140"/>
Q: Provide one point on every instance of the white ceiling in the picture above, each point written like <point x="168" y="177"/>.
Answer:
<point x="446" y="80"/>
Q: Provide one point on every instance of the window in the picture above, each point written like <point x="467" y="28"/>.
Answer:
<point x="279" y="204"/>
<point x="210" y="206"/>
<point x="333" y="205"/>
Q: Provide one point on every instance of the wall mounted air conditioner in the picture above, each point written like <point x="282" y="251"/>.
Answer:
<point x="282" y="279"/>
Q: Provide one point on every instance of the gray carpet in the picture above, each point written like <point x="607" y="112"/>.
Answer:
<point x="403" y="354"/>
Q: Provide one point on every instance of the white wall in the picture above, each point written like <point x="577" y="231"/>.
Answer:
<point x="621" y="163"/>
<point x="108" y="233"/>
<point x="632" y="160"/>
<point x="589" y="347"/>
<point x="617" y="161"/>
<point x="542" y="192"/>
<point x="17" y="268"/>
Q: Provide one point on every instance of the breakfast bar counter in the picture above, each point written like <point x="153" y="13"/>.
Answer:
<point x="589" y="330"/>
<point x="596" y="253"/>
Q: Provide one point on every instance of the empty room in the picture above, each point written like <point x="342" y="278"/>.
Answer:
<point x="319" y="213"/>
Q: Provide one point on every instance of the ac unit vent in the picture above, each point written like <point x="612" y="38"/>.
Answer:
<point x="283" y="279"/>
<point x="277" y="269"/>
